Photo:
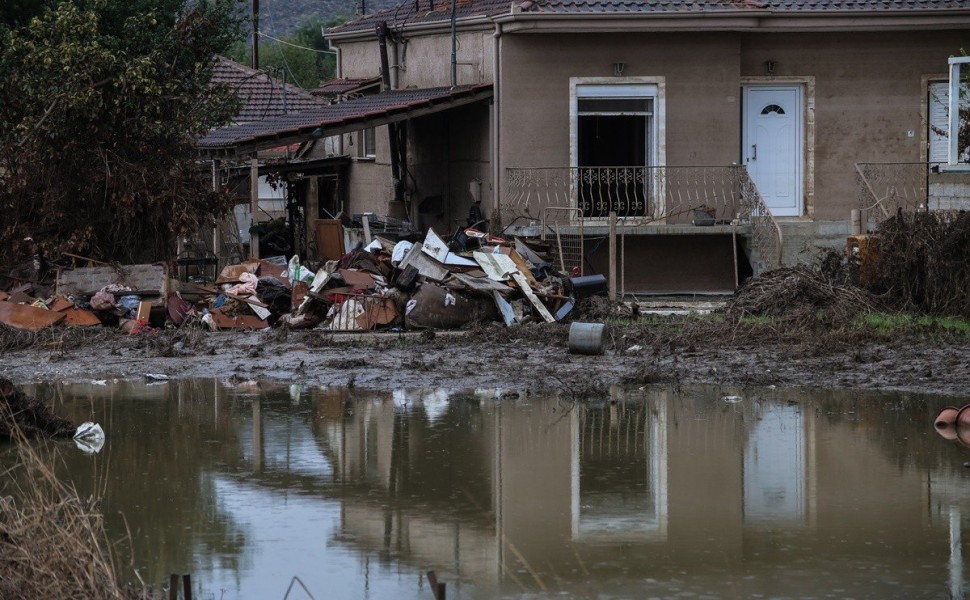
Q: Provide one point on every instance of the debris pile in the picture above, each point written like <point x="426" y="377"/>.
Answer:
<point x="796" y="292"/>
<point x="390" y="286"/>
<point x="122" y="296"/>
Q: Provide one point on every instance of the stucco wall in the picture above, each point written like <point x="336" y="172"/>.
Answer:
<point x="445" y="152"/>
<point x="426" y="61"/>
<point x="868" y="93"/>
<point x="701" y="75"/>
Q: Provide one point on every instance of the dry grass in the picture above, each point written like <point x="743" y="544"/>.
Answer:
<point x="52" y="541"/>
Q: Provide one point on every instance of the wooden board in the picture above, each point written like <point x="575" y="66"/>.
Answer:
<point x="377" y="311"/>
<point x="147" y="278"/>
<point x="329" y="238"/>
<point x="31" y="318"/>
<point x="524" y="285"/>
<point x="61" y="304"/>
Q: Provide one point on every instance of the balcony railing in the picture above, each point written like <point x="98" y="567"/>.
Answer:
<point x="885" y="188"/>
<point x="642" y="196"/>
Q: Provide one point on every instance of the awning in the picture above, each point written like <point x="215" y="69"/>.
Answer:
<point x="335" y="119"/>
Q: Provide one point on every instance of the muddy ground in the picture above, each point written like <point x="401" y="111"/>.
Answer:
<point x="536" y="357"/>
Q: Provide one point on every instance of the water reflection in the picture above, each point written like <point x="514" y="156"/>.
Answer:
<point x="648" y="493"/>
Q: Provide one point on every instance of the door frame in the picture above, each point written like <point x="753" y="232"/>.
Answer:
<point x="806" y="87"/>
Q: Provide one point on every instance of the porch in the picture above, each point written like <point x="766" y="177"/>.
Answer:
<point x="681" y="230"/>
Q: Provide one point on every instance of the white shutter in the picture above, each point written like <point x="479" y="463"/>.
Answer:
<point x="939" y="97"/>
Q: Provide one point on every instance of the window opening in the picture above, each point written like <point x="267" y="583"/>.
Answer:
<point x="772" y="108"/>
<point x="614" y="128"/>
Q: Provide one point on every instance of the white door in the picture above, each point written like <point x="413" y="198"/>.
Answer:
<point x="773" y="145"/>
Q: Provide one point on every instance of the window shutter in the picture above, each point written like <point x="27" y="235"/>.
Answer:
<point x="937" y="115"/>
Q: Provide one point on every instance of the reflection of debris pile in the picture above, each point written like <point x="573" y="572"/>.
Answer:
<point x="32" y="417"/>
<point x="387" y="285"/>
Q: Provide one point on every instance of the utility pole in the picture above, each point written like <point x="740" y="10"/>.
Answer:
<point x="256" y="34"/>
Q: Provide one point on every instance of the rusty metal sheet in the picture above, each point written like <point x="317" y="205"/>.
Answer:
<point x="31" y="318"/>
<point x="224" y="321"/>
<point x="358" y="280"/>
<point x="377" y="311"/>
<point x="79" y="317"/>
<point x="61" y="304"/>
<point x="86" y="281"/>
<point x="3" y="296"/>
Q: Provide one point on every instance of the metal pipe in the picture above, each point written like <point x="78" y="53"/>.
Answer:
<point x="496" y="103"/>
<point x="454" y="46"/>
<point x="256" y="34"/>
<point x="397" y="177"/>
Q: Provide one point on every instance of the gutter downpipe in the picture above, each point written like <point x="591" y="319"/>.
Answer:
<point x="496" y="129"/>
<point x="454" y="46"/>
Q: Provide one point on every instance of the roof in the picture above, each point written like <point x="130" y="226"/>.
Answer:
<point x="344" y="85"/>
<point x="427" y="11"/>
<point x="260" y="95"/>
<point x="334" y="119"/>
<point x="406" y="14"/>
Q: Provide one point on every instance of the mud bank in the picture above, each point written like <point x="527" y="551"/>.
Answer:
<point x="531" y="357"/>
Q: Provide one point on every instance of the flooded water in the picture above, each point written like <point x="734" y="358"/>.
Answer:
<point x="654" y="493"/>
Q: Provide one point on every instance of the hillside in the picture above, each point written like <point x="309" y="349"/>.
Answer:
<point x="282" y="17"/>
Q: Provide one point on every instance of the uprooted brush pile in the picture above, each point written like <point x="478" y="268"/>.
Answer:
<point x="807" y="294"/>
<point x="21" y="414"/>
<point x="922" y="262"/>
<point x="52" y="541"/>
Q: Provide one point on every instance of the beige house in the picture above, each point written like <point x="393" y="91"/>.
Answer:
<point x="796" y="92"/>
<point x="726" y="137"/>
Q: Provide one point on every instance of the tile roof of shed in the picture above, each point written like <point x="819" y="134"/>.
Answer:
<point x="344" y="85"/>
<point x="332" y="119"/>
<point x="406" y="14"/>
<point x="260" y="95"/>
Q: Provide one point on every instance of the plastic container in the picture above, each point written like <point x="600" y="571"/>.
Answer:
<point x="947" y="417"/>
<point x="587" y="338"/>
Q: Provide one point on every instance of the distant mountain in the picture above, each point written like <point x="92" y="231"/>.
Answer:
<point x="282" y="17"/>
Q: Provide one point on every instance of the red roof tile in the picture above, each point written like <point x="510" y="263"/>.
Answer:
<point x="344" y="85"/>
<point x="260" y="95"/>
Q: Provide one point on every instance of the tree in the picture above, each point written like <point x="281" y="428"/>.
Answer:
<point x="303" y="58"/>
<point x="100" y="106"/>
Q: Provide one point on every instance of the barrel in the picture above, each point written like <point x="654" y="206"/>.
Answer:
<point x="947" y="417"/>
<point x="587" y="338"/>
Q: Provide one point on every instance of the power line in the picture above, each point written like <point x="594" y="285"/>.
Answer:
<point x="279" y="41"/>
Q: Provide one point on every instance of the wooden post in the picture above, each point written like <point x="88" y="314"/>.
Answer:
<point x="437" y="587"/>
<point x="366" y="221"/>
<point x="215" y="228"/>
<point x="187" y="586"/>
<point x="612" y="282"/>
<point x="254" y="204"/>
<point x="173" y="586"/>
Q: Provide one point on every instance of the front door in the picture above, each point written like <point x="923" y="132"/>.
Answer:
<point x="773" y="145"/>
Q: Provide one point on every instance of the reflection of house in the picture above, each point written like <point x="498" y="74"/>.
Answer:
<point x="522" y="495"/>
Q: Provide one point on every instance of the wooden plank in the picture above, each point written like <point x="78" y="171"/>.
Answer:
<point x="31" y="318"/>
<point x="366" y="221"/>
<point x="61" y="304"/>
<point x="482" y="284"/>
<point x="358" y="279"/>
<point x="144" y="310"/>
<point x="142" y="279"/>
<point x="524" y="286"/>
<point x="330" y="239"/>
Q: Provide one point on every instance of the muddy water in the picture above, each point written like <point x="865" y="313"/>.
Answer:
<point x="655" y="493"/>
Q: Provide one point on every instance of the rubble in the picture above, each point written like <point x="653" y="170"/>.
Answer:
<point x="441" y="283"/>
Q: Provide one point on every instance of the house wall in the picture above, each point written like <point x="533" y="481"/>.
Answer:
<point x="426" y="61"/>
<point x="446" y="151"/>
<point x="868" y="97"/>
